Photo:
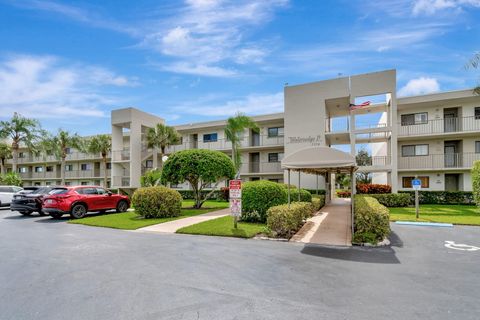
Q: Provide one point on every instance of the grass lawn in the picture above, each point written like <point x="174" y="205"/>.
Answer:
<point x="224" y="227"/>
<point x="456" y="214"/>
<point x="132" y="221"/>
<point x="206" y="204"/>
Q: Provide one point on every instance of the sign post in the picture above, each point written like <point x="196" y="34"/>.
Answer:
<point x="235" y="196"/>
<point x="417" y="185"/>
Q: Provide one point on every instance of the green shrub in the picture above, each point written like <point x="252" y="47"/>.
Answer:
<point x="476" y="182"/>
<point x="157" y="202"/>
<point x="189" y="195"/>
<point x="151" y="178"/>
<point x="315" y="191"/>
<point x="11" y="179"/>
<point x="441" y="197"/>
<point x="371" y="220"/>
<point x="284" y="220"/>
<point x="305" y="195"/>
<point x="258" y="197"/>
<point x="392" y="199"/>
<point x="318" y="202"/>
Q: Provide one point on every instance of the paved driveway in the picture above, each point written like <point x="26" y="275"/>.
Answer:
<point x="53" y="270"/>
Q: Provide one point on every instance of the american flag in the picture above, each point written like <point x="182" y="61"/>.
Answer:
<point x="358" y="106"/>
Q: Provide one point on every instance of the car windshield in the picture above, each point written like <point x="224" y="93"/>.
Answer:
<point x="41" y="191"/>
<point x="58" y="191"/>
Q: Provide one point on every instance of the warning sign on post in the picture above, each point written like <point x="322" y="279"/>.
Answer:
<point x="235" y="195"/>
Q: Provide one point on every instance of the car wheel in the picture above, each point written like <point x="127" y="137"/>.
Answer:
<point x="40" y="212"/>
<point x="26" y="213"/>
<point x="78" y="211"/>
<point x="56" y="215"/>
<point x="122" y="206"/>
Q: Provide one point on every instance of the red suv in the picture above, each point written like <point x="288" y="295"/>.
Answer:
<point x="77" y="201"/>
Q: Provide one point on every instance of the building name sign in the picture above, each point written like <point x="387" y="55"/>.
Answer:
<point x="313" y="140"/>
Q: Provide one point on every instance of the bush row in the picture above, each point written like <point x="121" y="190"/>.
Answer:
<point x="371" y="220"/>
<point x="441" y="197"/>
<point x="371" y="188"/>
<point x="344" y="194"/>
<point x="157" y="202"/>
<point x="284" y="220"/>
<point x="318" y="202"/>
<point x="392" y="199"/>
<point x="188" y="194"/>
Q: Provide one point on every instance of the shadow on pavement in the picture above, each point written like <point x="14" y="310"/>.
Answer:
<point x="21" y="217"/>
<point x="49" y="219"/>
<point x="383" y="255"/>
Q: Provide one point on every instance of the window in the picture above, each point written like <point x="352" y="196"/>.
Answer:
<point x="477" y="113"/>
<point x="85" y="167"/>
<point x="21" y="155"/>
<point x="254" y="178"/>
<point x="48" y="183"/>
<point x="60" y="190"/>
<point x="414" y="118"/>
<point x="109" y="165"/>
<point x="407" y="181"/>
<point x="477" y="146"/>
<point x="49" y="168"/>
<point x="69" y="167"/>
<point x="149" y="164"/>
<point x="273" y="180"/>
<point x="23" y="169"/>
<point x="210" y="137"/>
<point x="38" y="169"/>
<point x="84" y="183"/>
<point x="101" y="191"/>
<point x="86" y="190"/>
<point x="68" y="183"/>
<point x="275" y="132"/>
<point x="275" y="157"/>
<point x="68" y="151"/>
<point x="415" y="150"/>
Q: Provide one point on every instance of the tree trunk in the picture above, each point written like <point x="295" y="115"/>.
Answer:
<point x="14" y="157"/>
<point x="155" y="158"/>
<point x="62" y="171"/>
<point x="105" y="176"/>
<point x="2" y="167"/>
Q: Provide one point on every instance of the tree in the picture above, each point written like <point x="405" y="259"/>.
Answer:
<point x="343" y="180"/>
<point x="20" y="130"/>
<point x="363" y="158"/>
<point x="5" y="153"/>
<point x="59" y="144"/>
<point x="233" y="132"/>
<point x="200" y="168"/>
<point x="476" y="182"/>
<point x="159" y="138"/>
<point x="151" y="178"/>
<point x="11" y="179"/>
<point x="102" y="144"/>
<point x="475" y="64"/>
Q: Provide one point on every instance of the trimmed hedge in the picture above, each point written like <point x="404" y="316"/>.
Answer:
<point x="189" y="195"/>
<point x="157" y="202"/>
<point x="371" y="220"/>
<point x="392" y="199"/>
<point x="318" y="202"/>
<point x="258" y="197"/>
<point x="284" y="221"/>
<point x="305" y="195"/>
<point x="476" y="182"/>
<point x="314" y="191"/>
<point x="371" y="188"/>
<point x="441" y="197"/>
<point x="344" y="194"/>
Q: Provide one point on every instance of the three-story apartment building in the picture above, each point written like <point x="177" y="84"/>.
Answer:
<point x="434" y="137"/>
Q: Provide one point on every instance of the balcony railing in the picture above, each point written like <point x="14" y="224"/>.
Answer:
<point x="439" y="161"/>
<point x="447" y="125"/>
<point x="377" y="161"/>
<point x="29" y="158"/>
<point x="224" y="144"/>
<point x="118" y="181"/>
<point x="261" y="167"/>
<point x="121" y="155"/>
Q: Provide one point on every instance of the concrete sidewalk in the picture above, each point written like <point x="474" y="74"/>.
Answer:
<point x="173" y="226"/>
<point x="331" y="227"/>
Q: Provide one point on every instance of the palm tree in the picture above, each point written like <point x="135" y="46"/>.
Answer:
<point x="159" y="138"/>
<point x="233" y="131"/>
<point x="5" y="153"/>
<point x="102" y="144"/>
<point x="20" y="130"/>
<point x="475" y="63"/>
<point x="59" y="144"/>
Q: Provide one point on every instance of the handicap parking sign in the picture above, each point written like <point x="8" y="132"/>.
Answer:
<point x="417" y="184"/>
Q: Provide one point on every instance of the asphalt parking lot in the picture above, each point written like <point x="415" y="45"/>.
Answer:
<point x="53" y="270"/>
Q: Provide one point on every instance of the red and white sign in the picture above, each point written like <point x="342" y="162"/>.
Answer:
<point x="236" y="207"/>
<point x="235" y="189"/>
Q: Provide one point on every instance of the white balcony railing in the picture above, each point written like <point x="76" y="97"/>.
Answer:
<point x="439" y="161"/>
<point x="261" y="167"/>
<point x="435" y="126"/>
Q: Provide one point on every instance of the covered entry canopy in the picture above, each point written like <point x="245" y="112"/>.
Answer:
<point x="318" y="160"/>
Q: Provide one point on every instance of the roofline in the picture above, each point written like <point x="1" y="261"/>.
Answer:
<point x="443" y="95"/>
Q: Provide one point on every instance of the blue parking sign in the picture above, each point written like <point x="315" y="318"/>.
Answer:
<point x="417" y="184"/>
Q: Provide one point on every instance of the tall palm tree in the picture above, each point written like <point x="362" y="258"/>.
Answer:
<point x="102" y="144"/>
<point x="59" y="144"/>
<point x="20" y="130"/>
<point x="159" y="138"/>
<point x="5" y="153"/>
<point x="233" y="132"/>
<point x="475" y="64"/>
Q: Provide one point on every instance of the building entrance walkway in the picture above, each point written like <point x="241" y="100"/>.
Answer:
<point x="332" y="227"/>
<point x="173" y="226"/>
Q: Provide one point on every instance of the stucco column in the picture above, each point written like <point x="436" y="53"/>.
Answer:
<point x="135" y="153"/>
<point x="394" y="141"/>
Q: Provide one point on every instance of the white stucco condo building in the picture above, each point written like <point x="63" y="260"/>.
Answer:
<point x="435" y="137"/>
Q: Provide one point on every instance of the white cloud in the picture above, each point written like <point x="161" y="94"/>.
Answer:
<point x="430" y="7"/>
<point x="253" y="104"/>
<point x="422" y="85"/>
<point x="46" y="87"/>
<point x="198" y="69"/>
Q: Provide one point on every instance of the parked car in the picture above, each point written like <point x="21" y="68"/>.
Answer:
<point x="29" y="189"/>
<point x="28" y="202"/>
<point x="6" y="194"/>
<point x="77" y="201"/>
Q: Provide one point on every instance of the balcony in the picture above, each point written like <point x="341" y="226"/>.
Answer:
<point x="261" y="167"/>
<point x="118" y="181"/>
<point x="439" y="161"/>
<point x="440" y="126"/>
<point x="121" y="155"/>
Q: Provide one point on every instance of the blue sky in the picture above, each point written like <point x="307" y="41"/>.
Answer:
<point x="70" y="63"/>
